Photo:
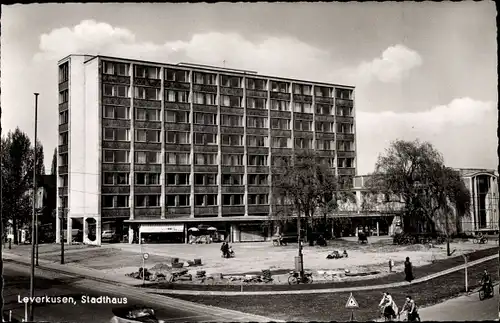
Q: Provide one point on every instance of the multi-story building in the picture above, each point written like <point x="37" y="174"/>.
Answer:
<point x="160" y="148"/>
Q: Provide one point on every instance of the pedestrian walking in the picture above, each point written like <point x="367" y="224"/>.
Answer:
<point x="408" y="270"/>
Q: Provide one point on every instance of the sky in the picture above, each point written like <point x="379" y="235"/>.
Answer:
<point x="422" y="70"/>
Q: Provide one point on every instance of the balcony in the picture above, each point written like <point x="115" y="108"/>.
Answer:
<point x="177" y="106"/>
<point x="62" y="191"/>
<point x="147" y="146"/>
<point x="302" y="98"/>
<point x="63" y="106"/>
<point x="303" y="116"/>
<point x="206" y="211"/>
<point x="113" y="123"/>
<point x="233" y="189"/>
<point x="115" y="189"/>
<point x="178" y="147"/>
<point x="178" y="189"/>
<point x="177" y="85"/>
<point x="233" y="210"/>
<point x="344" y="102"/>
<point x="177" y="212"/>
<point x="156" y="168"/>
<point x="233" y="169"/>
<point x="207" y="108"/>
<point x="346" y="171"/>
<point x="61" y="149"/>
<point x="111" y="167"/>
<point x="63" y="127"/>
<point x="281" y="114"/>
<point x="304" y="134"/>
<point x="177" y="168"/>
<point x="63" y="169"/>
<point x="256" y="93"/>
<point x="258" y="209"/>
<point x="323" y="100"/>
<point x="147" y="125"/>
<point x="255" y="189"/>
<point x="205" y="88"/>
<point x="116" y="144"/>
<point x="257" y="112"/>
<point x="326" y="153"/>
<point x="115" y="79"/>
<point x="206" y="169"/>
<point x="282" y="151"/>
<point x="346" y="154"/>
<point x="169" y="126"/>
<point x="258" y="169"/>
<point x="325" y="117"/>
<point x="206" y="189"/>
<point x="233" y="149"/>
<point x="258" y="150"/>
<point x="231" y="91"/>
<point x="147" y="82"/>
<point x="140" y="103"/>
<point x="325" y="135"/>
<point x="116" y="213"/>
<point x="205" y="148"/>
<point x="204" y="128"/>
<point x="232" y="110"/>
<point x="147" y="213"/>
<point x="63" y="86"/>
<point x="111" y="100"/>
<point x="345" y="136"/>
<point x="258" y="131"/>
<point x="280" y="96"/>
<point x="147" y="189"/>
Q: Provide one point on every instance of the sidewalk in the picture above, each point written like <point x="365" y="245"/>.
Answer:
<point x="127" y="281"/>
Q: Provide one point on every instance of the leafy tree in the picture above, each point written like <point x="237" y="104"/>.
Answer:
<point x="413" y="175"/>
<point x="53" y="168"/>
<point x="310" y="188"/>
<point x="17" y="171"/>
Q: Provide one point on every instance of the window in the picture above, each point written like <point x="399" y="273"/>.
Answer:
<point x="205" y="138"/>
<point x="256" y="84"/>
<point x="147" y="200"/>
<point x="303" y="125"/>
<point x="324" y="126"/>
<point x="177" y="75"/>
<point x="349" y="162"/>
<point x="118" y="134"/>
<point x="205" y="118"/>
<point x="108" y="201"/>
<point x="121" y="178"/>
<point x="147" y="72"/>
<point x="232" y="199"/>
<point x="344" y="94"/>
<point x="232" y="140"/>
<point x="205" y="159"/>
<point x="177" y="116"/>
<point x="345" y="111"/>
<point x="177" y="137"/>
<point x="345" y="128"/>
<point x="109" y="179"/>
<point x="279" y="87"/>
<point x="63" y="72"/>
<point x="63" y="117"/>
<point x="281" y="142"/>
<point x="230" y="101"/>
<point x="280" y="105"/>
<point x="176" y="96"/>
<point x="205" y="78"/>
<point x="178" y="179"/>
<point x="232" y="179"/>
<point x="146" y="93"/>
<point x="183" y="200"/>
<point x="116" y="156"/>
<point x="324" y="109"/>
<point x="147" y="157"/>
<point x="204" y="98"/>
<point x="205" y="179"/>
<point x="113" y="68"/>
<point x="205" y="200"/>
<point x="257" y="122"/>
<point x="231" y="120"/>
<point x="63" y="160"/>
<point x="63" y="96"/>
<point x="302" y="107"/>
<point x="324" y="144"/>
<point x="232" y="160"/>
<point x="116" y="90"/>
<point x="279" y="161"/>
<point x="258" y="199"/>
<point x="256" y="103"/>
<point x="257" y="141"/>
<point x="148" y="114"/>
<point x="116" y="112"/>
<point x="257" y="160"/>
<point x="63" y="138"/>
<point x="147" y="178"/>
<point x="323" y="91"/>
<point x="230" y="81"/>
<point x="283" y="124"/>
<point x="173" y="158"/>
<point x="258" y="179"/>
<point x="143" y="135"/>
<point x="303" y="143"/>
<point x="302" y="89"/>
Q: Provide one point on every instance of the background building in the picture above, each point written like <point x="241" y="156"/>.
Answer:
<point x="159" y="148"/>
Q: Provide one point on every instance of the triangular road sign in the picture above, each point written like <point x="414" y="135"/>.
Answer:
<point x="351" y="302"/>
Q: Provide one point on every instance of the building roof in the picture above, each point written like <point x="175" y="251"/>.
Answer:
<point x="208" y="68"/>
<point x="470" y="172"/>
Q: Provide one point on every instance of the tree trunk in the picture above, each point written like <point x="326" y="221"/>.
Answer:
<point x="14" y="228"/>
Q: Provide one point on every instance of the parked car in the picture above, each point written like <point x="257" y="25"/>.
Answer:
<point x="109" y="236"/>
<point x="134" y="314"/>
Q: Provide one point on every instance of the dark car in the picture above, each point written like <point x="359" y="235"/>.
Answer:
<point x="134" y="314"/>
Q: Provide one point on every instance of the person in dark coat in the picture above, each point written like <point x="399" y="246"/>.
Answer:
<point x="408" y="270"/>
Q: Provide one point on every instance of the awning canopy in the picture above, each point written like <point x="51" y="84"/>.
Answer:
<point x="161" y="228"/>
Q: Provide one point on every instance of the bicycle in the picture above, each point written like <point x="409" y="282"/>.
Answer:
<point x="294" y="278"/>
<point x="480" y="240"/>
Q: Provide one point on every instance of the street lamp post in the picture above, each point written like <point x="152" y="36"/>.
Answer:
<point x="301" y="255"/>
<point x="33" y="221"/>
<point x="61" y="217"/>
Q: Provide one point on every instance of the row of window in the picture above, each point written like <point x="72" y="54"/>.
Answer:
<point x="178" y="75"/>
<point x="110" y="178"/>
<point x="117" y="201"/>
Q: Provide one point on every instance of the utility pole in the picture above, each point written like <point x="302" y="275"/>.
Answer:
<point x="32" y="278"/>
<point x="61" y="215"/>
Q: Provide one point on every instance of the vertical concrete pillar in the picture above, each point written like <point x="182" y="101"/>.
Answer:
<point x="378" y="229"/>
<point x="85" y="230"/>
<point x="130" y="234"/>
<point x="58" y="229"/>
<point x="69" y="230"/>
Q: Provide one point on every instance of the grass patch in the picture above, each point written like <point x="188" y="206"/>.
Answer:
<point x="331" y="307"/>
<point x="418" y="272"/>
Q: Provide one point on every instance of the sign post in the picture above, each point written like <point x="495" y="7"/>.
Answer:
<point x="351" y="304"/>
<point x="145" y="256"/>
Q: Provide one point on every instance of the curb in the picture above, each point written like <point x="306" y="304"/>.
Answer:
<point x="320" y="291"/>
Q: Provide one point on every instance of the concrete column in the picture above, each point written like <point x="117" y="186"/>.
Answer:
<point x="98" y="230"/>
<point x="69" y="231"/>
<point x="378" y="229"/>
<point x="58" y="229"/>
<point x="85" y="230"/>
<point x="130" y="234"/>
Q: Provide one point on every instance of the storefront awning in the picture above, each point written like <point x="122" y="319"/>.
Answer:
<point x="161" y="228"/>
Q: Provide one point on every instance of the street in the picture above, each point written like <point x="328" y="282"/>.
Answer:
<point x="464" y="308"/>
<point x="54" y="284"/>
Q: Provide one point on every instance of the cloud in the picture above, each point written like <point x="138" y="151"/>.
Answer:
<point x="271" y="55"/>
<point x="463" y="125"/>
<point x="395" y="63"/>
